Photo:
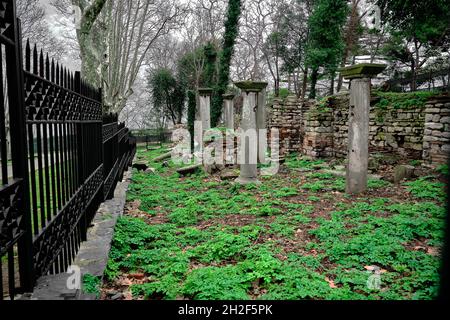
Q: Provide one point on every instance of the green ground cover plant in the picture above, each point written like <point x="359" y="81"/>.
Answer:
<point x="295" y="236"/>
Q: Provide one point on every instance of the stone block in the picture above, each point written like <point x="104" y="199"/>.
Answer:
<point x="402" y="172"/>
<point x="414" y="146"/>
<point x="445" y="120"/>
<point x="434" y="126"/>
<point x="415" y="139"/>
<point x="430" y="138"/>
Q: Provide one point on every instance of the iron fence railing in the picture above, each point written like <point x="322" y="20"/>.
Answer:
<point x="66" y="158"/>
<point x="435" y="80"/>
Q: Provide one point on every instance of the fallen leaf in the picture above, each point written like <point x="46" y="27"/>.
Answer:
<point x="138" y="276"/>
<point x="371" y="268"/>
<point x="124" y="282"/>
<point x="127" y="295"/>
<point x="331" y="283"/>
<point x="433" y="251"/>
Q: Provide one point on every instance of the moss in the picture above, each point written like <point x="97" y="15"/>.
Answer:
<point x="410" y="100"/>
<point x="362" y="69"/>
<point x="282" y="95"/>
<point x="321" y="109"/>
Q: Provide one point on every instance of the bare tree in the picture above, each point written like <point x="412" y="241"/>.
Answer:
<point x="115" y="37"/>
<point x="164" y="54"/>
<point x="255" y="26"/>
<point x="352" y="33"/>
<point x="136" y="26"/>
<point x="209" y="15"/>
<point x="35" y="28"/>
<point x="268" y="30"/>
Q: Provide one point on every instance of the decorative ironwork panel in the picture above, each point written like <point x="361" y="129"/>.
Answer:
<point x="109" y="130"/>
<point x="6" y="21"/>
<point x="49" y="244"/>
<point x="11" y="218"/>
<point x="122" y="133"/>
<point x="46" y="101"/>
<point x="110" y="179"/>
<point x="58" y="131"/>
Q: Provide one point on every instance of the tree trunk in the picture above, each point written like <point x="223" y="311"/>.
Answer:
<point x="297" y="84"/>
<point x="89" y="49"/>
<point x="277" y="87"/>
<point x="448" y="79"/>
<point x="305" y="83"/>
<point x="230" y="34"/>
<point x="314" y="77"/>
<point x="413" y="76"/>
<point x="332" y="84"/>
<point x="341" y="78"/>
<point x="343" y="62"/>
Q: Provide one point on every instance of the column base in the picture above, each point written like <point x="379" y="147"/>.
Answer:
<point x="356" y="184"/>
<point x="245" y="180"/>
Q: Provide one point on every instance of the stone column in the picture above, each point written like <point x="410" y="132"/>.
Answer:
<point x="358" y="124"/>
<point x="358" y="136"/>
<point x="228" y="111"/>
<point x="205" y="112"/>
<point x="261" y="124"/>
<point x="249" y="135"/>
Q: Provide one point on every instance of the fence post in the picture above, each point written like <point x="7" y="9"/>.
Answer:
<point x="102" y="144"/>
<point x="80" y="155"/>
<point x="19" y="152"/>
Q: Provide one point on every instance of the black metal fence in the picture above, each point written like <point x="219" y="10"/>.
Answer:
<point x="152" y="137"/>
<point x="438" y="80"/>
<point x="65" y="158"/>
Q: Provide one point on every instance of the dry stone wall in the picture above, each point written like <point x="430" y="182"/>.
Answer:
<point x="436" y="139"/>
<point x="390" y="129"/>
<point x="320" y="129"/>
<point x="287" y="117"/>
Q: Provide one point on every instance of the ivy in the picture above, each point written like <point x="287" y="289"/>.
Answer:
<point x="231" y="33"/>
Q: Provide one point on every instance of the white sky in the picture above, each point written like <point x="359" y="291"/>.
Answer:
<point x="56" y="22"/>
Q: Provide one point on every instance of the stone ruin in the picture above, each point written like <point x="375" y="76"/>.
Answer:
<point x="317" y="130"/>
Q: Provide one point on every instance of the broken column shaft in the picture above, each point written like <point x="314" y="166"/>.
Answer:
<point x="358" y="124"/>
<point x="249" y="135"/>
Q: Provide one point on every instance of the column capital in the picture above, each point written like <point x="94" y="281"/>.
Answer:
<point x="251" y="86"/>
<point x="362" y="70"/>
<point x="228" y="96"/>
<point x="205" y="91"/>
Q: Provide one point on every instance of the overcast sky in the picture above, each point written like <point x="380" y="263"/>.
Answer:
<point x="55" y="21"/>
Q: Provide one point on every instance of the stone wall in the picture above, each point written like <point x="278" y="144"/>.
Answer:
<point x="287" y="117"/>
<point x="320" y="129"/>
<point x="436" y="139"/>
<point x="318" y="138"/>
<point x="390" y="129"/>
